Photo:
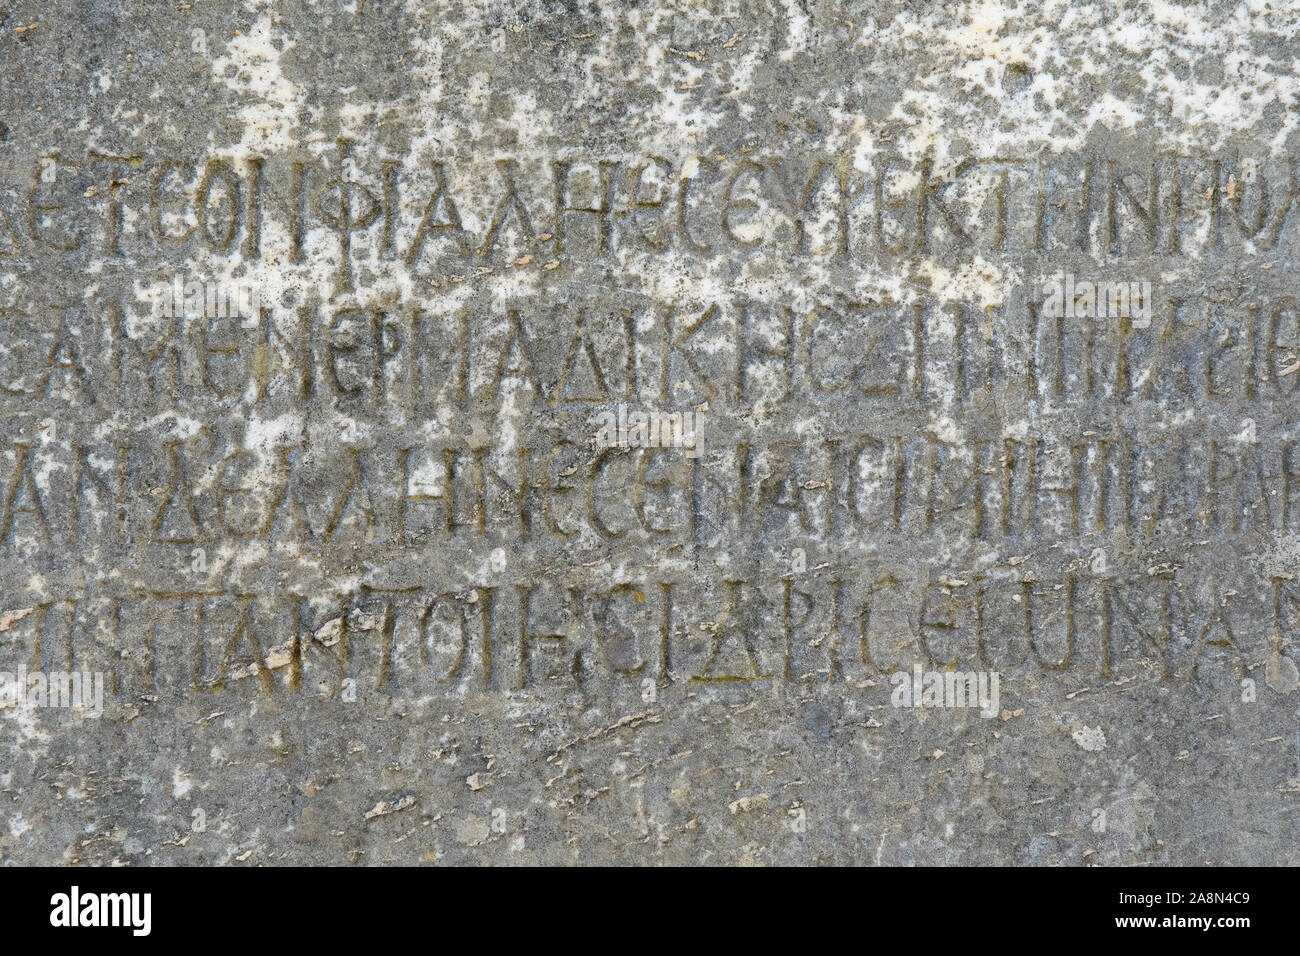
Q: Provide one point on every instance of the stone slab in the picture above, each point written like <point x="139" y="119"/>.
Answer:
<point x="591" y="433"/>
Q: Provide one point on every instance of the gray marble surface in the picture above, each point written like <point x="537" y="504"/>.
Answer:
<point x="738" y="433"/>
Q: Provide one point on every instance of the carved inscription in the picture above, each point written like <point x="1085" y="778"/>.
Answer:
<point x="998" y="414"/>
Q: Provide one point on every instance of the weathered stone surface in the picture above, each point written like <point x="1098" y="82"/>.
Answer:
<point x="325" y="333"/>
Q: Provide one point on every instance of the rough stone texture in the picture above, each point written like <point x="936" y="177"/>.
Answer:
<point x="826" y="228"/>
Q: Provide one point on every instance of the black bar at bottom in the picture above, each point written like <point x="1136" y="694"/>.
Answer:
<point x="334" y="907"/>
